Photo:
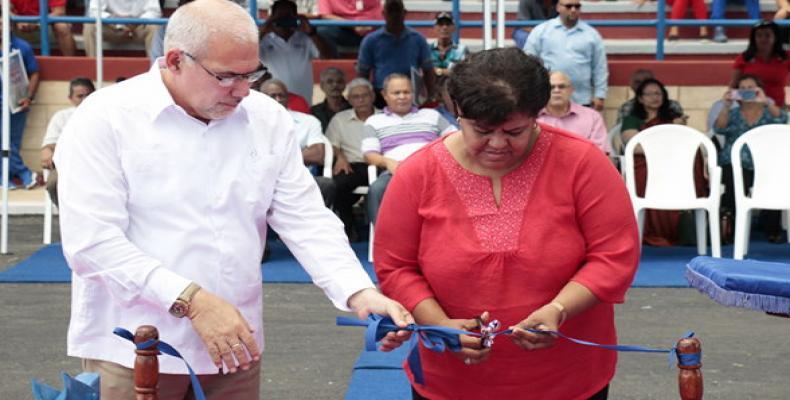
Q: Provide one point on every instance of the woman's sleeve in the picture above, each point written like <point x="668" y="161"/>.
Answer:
<point x="397" y="239"/>
<point x="606" y="220"/>
<point x="739" y="63"/>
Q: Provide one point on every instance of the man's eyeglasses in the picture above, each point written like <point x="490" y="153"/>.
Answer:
<point x="227" y="80"/>
<point x="577" y="6"/>
<point x="560" y="86"/>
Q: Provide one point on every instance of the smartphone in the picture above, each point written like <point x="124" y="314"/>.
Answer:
<point x="287" y="22"/>
<point x="747" y="94"/>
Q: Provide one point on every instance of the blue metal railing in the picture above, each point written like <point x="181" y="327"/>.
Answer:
<point x="660" y="22"/>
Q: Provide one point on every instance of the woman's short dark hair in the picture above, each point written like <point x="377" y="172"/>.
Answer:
<point x="776" y="51"/>
<point x="746" y="77"/>
<point x="491" y="85"/>
<point x="665" y="112"/>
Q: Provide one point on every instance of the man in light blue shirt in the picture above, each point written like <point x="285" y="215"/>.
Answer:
<point x="569" y="45"/>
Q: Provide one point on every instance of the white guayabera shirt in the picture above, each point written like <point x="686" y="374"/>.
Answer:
<point x="152" y="199"/>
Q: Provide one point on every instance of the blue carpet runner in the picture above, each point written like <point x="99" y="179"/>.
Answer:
<point x="659" y="266"/>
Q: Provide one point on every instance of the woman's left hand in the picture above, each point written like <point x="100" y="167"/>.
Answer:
<point x="546" y="318"/>
<point x="761" y="97"/>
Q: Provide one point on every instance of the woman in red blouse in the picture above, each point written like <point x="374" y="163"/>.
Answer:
<point x="766" y="59"/>
<point x="511" y="220"/>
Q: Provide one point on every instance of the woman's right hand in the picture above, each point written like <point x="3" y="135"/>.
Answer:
<point x="472" y="351"/>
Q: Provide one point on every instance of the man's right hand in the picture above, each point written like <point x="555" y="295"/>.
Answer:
<point x="392" y="165"/>
<point x="46" y="157"/>
<point x="342" y="165"/>
<point x="224" y="331"/>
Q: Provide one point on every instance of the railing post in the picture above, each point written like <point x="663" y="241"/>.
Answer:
<point x="457" y="21"/>
<point x="6" y="113"/>
<point x="690" y="376"/>
<point x="99" y="45"/>
<point x="661" y="28"/>
<point x="253" y="4"/>
<point x="486" y="24"/>
<point x="500" y="23"/>
<point x="43" y="26"/>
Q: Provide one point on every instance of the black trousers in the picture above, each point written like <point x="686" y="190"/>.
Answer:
<point x="345" y="184"/>
<point x="602" y="395"/>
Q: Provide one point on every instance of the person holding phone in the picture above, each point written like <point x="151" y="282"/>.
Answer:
<point x="753" y="109"/>
<point x="652" y="108"/>
<point x="288" y="45"/>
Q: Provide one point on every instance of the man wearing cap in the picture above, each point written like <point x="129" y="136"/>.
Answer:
<point x="445" y="53"/>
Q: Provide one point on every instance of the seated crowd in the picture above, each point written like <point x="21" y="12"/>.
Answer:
<point x="375" y="119"/>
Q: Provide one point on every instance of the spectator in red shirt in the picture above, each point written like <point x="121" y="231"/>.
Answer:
<point x="342" y="10"/>
<point x="29" y="30"/>
<point x="766" y="59"/>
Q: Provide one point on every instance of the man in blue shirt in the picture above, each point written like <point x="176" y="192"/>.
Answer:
<point x="394" y="49"/>
<point x="16" y="167"/>
<point x="572" y="46"/>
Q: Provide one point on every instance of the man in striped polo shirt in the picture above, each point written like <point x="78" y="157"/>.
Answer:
<point x="395" y="134"/>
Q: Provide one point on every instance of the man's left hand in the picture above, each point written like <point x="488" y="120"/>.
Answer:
<point x="597" y="104"/>
<point x="304" y="25"/>
<point x="371" y="301"/>
<point x="25" y="103"/>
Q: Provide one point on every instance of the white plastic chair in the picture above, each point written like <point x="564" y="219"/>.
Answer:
<point x="770" y="149"/>
<point x="615" y="138"/>
<point x="372" y="175"/>
<point x="329" y="157"/>
<point x="670" y="151"/>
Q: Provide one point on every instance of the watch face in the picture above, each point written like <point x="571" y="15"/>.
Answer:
<point x="179" y="309"/>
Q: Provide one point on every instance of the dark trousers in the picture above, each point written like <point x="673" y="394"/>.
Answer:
<point x="602" y="395"/>
<point x="338" y="36"/>
<point x="770" y="220"/>
<point x="16" y="167"/>
<point x="345" y="184"/>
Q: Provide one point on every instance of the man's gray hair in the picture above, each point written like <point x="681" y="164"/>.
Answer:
<point x="356" y="82"/>
<point x="274" y="81"/>
<point x="192" y="26"/>
<point x="390" y="77"/>
<point x="329" y="71"/>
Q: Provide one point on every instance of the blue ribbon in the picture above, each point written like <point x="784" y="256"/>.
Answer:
<point x="440" y="338"/>
<point x="166" y="349"/>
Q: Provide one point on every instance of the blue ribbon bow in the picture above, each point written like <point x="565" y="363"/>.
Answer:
<point x="440" y="338"/>
<point x="166" y="349"/>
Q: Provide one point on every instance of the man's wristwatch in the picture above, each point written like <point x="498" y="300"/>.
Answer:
<point x="180" y="307"/>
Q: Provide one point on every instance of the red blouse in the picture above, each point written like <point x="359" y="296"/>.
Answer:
<point x="773" y="74"/>
<point x="565" y="216"/>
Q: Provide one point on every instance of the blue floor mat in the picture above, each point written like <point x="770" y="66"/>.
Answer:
<point x="659" y="266"/>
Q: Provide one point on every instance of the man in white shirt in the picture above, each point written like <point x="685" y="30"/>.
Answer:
<point x="186" y="169"/>
<point x="288" y="45"/>
<point x="345" y="131"/>
<point x="79" y="89"/>
<point x="122" y="33"/>
<point x="307" y="129"/>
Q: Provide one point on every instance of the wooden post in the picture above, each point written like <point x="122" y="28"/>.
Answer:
<point x="690" y="376"/>
<point x="146" y="364"/>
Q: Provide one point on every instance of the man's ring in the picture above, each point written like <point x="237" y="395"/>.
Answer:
<point x="233" y="346"/>
<point x="468" y="361"/>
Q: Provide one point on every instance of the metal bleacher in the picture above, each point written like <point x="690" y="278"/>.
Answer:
<point x="628" y="29"/>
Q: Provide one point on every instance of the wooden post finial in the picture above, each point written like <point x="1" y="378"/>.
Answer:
<point x="690" y="376"/>
<point x="146" y="364"/>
